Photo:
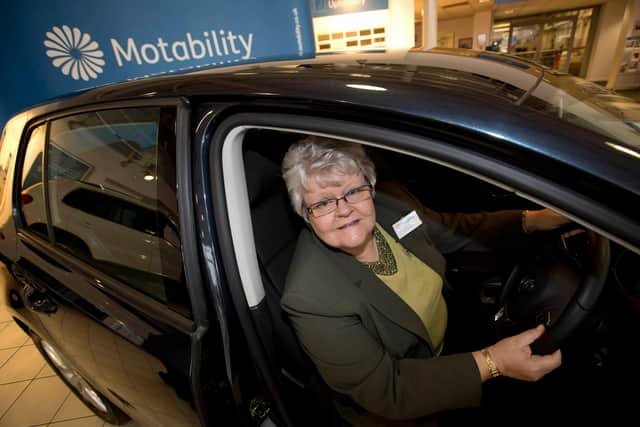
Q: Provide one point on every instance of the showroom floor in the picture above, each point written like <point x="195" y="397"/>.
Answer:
<point x="30" y="393"/>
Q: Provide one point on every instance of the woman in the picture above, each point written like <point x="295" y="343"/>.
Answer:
<point x="364" y="290"/>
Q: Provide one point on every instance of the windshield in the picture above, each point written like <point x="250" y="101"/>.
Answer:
<point x="570" y="98"/>
<point x="589" y="105"/>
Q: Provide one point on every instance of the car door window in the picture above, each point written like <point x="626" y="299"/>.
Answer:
<point x="111" y="190"/>
<point x="32" y="190"/>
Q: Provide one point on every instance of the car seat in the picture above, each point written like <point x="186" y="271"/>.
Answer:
<point x="276" y="228"/>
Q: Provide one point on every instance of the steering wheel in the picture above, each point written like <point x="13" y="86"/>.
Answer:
<point x="558" y="287"/>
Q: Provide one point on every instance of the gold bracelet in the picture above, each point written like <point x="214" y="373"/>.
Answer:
<point x="493" y="369"/>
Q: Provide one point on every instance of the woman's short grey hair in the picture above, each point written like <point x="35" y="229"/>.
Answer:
<point x="320" y="157"/>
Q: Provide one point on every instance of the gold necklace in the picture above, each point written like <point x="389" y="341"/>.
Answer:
<point x="386" y="264"/>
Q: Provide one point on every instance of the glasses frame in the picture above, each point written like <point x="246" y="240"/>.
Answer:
<point x="309" y="209"/>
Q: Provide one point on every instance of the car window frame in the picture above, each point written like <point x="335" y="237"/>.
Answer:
<point x="227" y="144"/>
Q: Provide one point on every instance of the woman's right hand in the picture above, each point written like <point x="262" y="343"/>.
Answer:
<point x="514" y="359"/>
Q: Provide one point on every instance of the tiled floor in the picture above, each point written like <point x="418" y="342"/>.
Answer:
<point x="30" y="393"/>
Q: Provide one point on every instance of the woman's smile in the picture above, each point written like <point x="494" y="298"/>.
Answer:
<point x="349" y="227"/>
<point x="345" y="226"/>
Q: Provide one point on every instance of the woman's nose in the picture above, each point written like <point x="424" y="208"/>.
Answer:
<point x="343" y="207"/>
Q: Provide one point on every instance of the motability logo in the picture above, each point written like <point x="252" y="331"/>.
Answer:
<point x="80" y="57"/>
<point x="74" y="53"/>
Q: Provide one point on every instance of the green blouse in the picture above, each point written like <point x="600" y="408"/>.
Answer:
<point x="419" y="287"/>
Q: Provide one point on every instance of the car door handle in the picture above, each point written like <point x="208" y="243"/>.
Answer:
<point x="38" y="301"/>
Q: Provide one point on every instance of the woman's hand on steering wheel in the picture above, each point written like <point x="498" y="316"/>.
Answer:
<point x="542" y="220"/>
<point x="513" y="356"/>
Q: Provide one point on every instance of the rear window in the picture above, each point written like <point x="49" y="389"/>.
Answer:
<point x="109" y="197"/>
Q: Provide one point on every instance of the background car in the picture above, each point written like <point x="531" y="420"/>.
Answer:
<point x="114" y="231"/>
<point x="210" y="345"/>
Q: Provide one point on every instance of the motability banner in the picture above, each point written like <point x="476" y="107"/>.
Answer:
<point x="56" y="47"/>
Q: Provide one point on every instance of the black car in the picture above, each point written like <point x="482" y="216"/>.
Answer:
<point x="146" y="230"/>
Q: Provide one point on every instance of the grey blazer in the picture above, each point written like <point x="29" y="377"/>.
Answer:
<point x="365" y="341"/>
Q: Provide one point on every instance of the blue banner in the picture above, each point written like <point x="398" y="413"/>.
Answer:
<point x="339" y="7"/>
<point x="56" y="47"/>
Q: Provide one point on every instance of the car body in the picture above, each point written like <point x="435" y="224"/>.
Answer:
<point x="195" y="335"/>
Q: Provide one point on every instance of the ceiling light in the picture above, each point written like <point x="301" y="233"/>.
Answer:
<point x="367" y="87"/>
<point x="625" y="150"/>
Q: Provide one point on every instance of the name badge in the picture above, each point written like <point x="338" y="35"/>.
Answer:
<point x="407" y="224"/>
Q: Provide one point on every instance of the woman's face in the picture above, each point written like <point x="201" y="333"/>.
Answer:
<point x="350" y="227"/>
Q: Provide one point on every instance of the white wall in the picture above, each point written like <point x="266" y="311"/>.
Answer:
<point x="401" y="22"/>
<point x="461" y="28"/>
<point x="606" y="39"/>
<point x="482" y="24"/>
<point x="470" y="26"/>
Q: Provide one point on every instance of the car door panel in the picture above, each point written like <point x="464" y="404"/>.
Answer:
<point x="85" y="274"/>
<point x="123" y="352"/>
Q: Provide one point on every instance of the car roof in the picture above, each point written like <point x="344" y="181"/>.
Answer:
<point x="479" y="92"/>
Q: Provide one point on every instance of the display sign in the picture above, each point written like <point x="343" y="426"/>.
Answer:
<point x="339" y="7"/>
<point x="56" y="47"/>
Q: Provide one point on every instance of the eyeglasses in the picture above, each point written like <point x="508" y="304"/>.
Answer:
<point x="326" y="206"/>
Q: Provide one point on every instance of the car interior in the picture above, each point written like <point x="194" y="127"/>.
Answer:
<point x="598" y="358"/>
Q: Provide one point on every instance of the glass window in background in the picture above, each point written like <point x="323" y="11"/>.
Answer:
<point x="560" y="41"/>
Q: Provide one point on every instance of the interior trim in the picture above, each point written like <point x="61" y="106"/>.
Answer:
<point x="237" y="197"/>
